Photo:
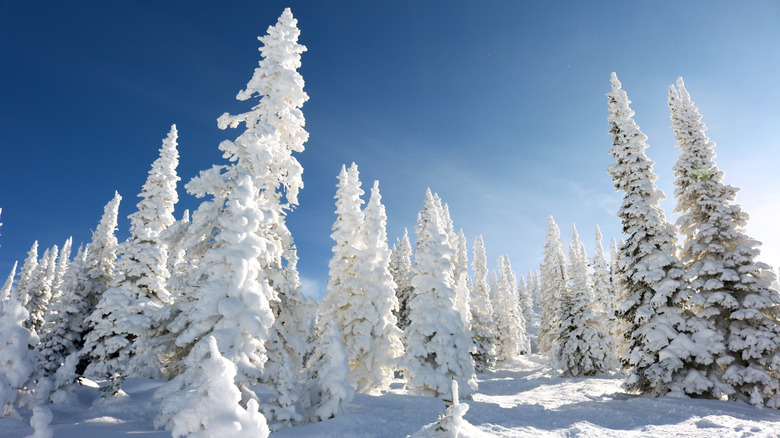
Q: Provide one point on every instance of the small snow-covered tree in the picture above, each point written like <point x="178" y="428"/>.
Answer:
<point x="600" y="284"/>
<point x="326" y="391"/>
<point x="511" y="337"/>
<point x="437" y="348"/>
<point x="17" y="357"/>
<point x="733" y="290"/>
<point x="41" y="292"/>
<point x="209" y="406"/>
<point x="534" y="287"/>
<point x="662" y="351"/>
<point x="553" y="280"/>
<point x="5" y="291"/>
<point x="25" y="285"/>
<point x="586" y="347"/>
<point x="525" y="300"/>
<point x="401" y="268"/>
<point x="483" y="325"/>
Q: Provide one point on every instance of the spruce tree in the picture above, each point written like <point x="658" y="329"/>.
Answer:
<point x="733" y="290"/>
<point x="483" y="325"/>
<point x="511" y="337"/>
<point x="586" y="347"/>
<point x="125" y="315"/>
<point x="40" y="293"/>
<point x="25" y="285"/>
<point x="5" y="291"/>
<point x="553" y="281"/>
<point x="661" y="350"/>
<point x="437" y="349"/>
<point x="17" y="356"/>
<point x="401" y="268"/>
<point x="603" y="296"/>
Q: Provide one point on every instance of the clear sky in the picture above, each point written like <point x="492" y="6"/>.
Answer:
<point x="498" y="106"/>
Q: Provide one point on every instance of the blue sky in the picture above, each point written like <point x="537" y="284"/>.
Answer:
<point x="498" y="106"/>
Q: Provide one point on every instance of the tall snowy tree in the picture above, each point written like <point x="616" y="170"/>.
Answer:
<point x="662" y="351"/>
<point x="25" y="285"/>
<point x="40" y="293"/>
<point x="525" y="300"/>
<point x="437" y="347"/>
<point x="5" y="291"/>
<point x="17" y="357"/>
<point x="586" y="347"/>
<point x="125" y="314"/>
<point x="401" y="268"/>
<point x="534" y="287"/>
<point x="483" y="325"/>
<point x="733" y="289"/>
<point x="553" y="281"/>
<point x="238" y="242"/>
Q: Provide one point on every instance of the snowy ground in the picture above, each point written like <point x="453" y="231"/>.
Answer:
<point x="521" y="399"/>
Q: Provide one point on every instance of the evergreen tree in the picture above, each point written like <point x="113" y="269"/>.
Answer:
<point x="437" y="347"/>
<point x="534" y="287"/>
<point x="17" y="357"/>
<point x="511" y="337"/>
<point x="401" y="268"/>
<point x="64" y="326"/>
<point x="238" y="243"/>
<point x="586" y="347"/>
<point x="210" y="409"/>
<point x="5" y="292"/>
<point x="375" y="344"/>
<point x="483" y="325"/>
<point x="733" y="290"/>
<point x="25" y="285"/>
<point x="553" y="281"/>
<point x="40" y="293"/>
<point x="603" y="297"/>
<point x="327" y="392"/>
<point x="661" y="350"/>
<point x="525" y="301"/>
<point x="124" y="316"/>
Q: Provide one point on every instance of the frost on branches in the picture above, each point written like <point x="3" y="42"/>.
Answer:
<point x="733" y="290"/>
<point x="662" y="351"/>
<point x="511" y="338"/>
<point x="437" y="346"/>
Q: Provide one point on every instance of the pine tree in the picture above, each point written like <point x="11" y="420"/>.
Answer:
<point x="483" y="325"/>
<point x="40" y="293"/>
<point x="586" y="347"/>
<point x="661" y="349"/>
<point x="534" y="287"/>
<point x="401" y="268"/>
<point x="25" y="285"/>
<point x="553" y="281"/>
<point x="123" y="320"/>
<point x="17" y="357"/>
<point x="437" y="348"/>
<point x="733" y="290"/>
<point x="525" y="301"/>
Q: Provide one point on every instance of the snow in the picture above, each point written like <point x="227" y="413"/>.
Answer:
<point x="522" y="398"/>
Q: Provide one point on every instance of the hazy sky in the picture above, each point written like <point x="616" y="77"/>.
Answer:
<point x="498" y="106"/>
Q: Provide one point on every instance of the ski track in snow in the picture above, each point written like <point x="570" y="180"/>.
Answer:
<point x="522" y="398"/>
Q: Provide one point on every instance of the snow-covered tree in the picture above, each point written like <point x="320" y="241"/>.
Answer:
<point x="437" y="347"/>
<point x="600" y="285"/>
<point x="660" y="347"/>
<point x="534" y="287"/>
<point x="373" y="341"/>
<point x="5" y="291"/>
<point x="483" y="326"/>
<point x="25" y="285"/>
<point x="238" y="246"/>
<point x="40" y="294"/>
<point x="123" y="319"/>
<point x="525" y="301"/>
<point x="511" y="337"/>
<point x="209" y="406"/>
<point x="553" y="281"/>
<point x="401" y="268"/>
<point x="326" y="391"/>
<point x="17" y="357"/>
<point x="586" y="347"/>
<point x="64" y="326"/>
<point x="733" y="290"/>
